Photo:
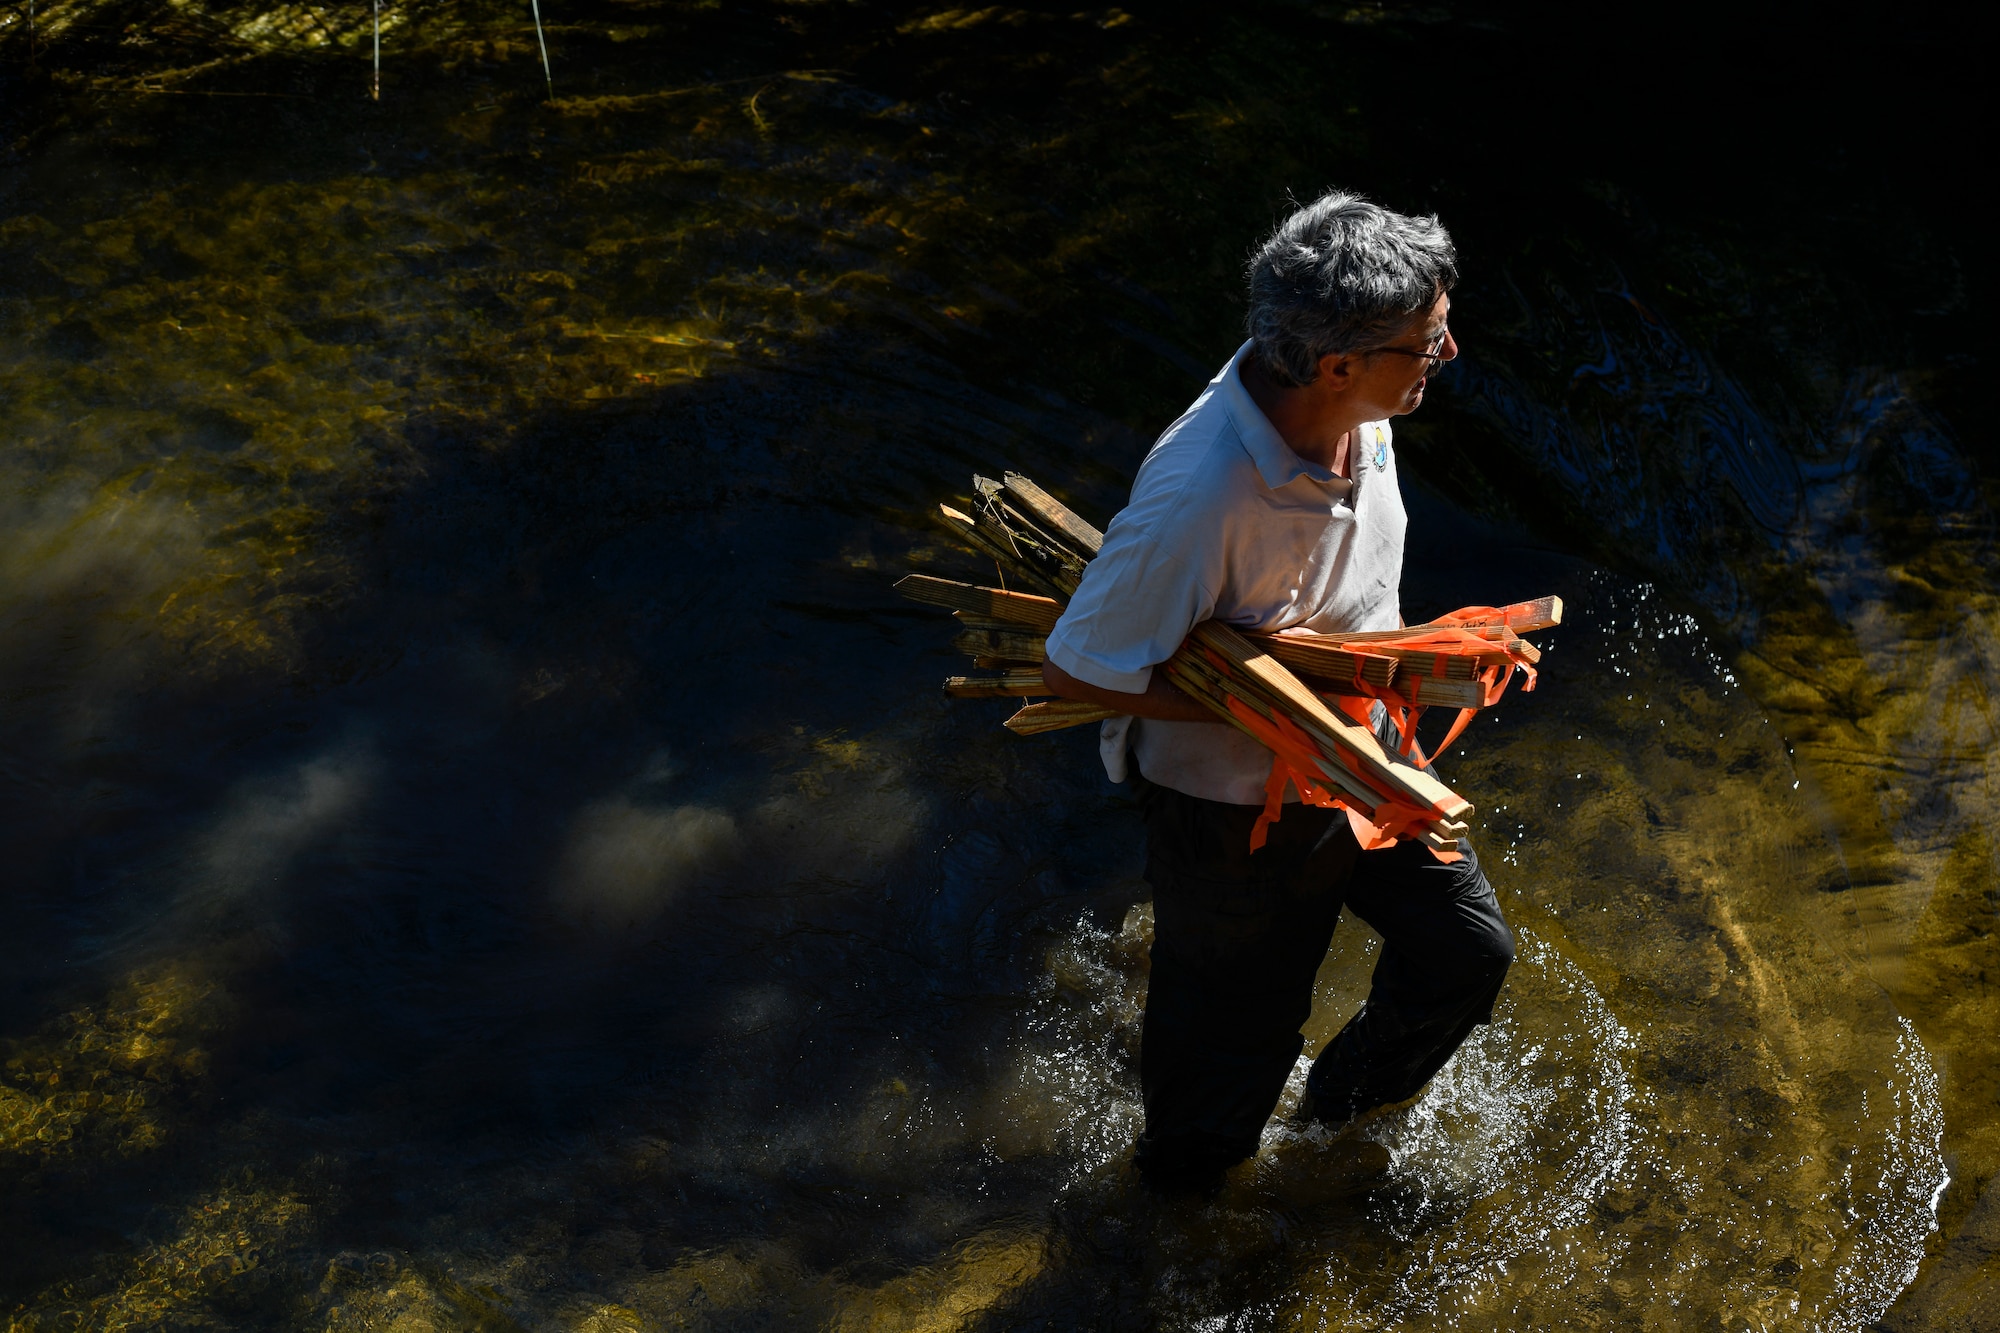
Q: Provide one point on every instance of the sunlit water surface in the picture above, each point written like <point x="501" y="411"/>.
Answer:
<point x="486" y="847"/>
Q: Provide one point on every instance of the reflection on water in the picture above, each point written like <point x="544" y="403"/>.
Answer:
<point x="104" y="1080"/>
<point x="488" y="849"/>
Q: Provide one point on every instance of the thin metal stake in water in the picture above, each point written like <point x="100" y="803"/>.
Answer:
<point x="378" y="50"/>
<point x="537" y="6"/>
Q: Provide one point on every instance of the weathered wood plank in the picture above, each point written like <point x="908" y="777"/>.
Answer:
<point x="1033" y="719"/>
<point x="987" y="534"/>
<point x="1061" y="521"/>
<point x="1206" y="683"/>
<point x="1442" y="692"/>
<point x="1015" y="608"/>
<point x="1422" y="789"/>
<point x="1007" y="684"/>
<point x="1526" y="617"/>
<point x="1312" y="656"/>
<point x="1012" y="645"/>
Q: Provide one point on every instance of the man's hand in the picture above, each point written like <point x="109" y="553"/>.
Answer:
<point x="1163" y="699"/>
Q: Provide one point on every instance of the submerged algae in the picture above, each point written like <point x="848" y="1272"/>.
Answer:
<point x="109" y="1079"/>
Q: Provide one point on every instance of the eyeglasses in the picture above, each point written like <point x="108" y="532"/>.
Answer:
<point x="1435" y="355"/>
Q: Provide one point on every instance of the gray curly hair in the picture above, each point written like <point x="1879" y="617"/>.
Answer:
<point x="1342" y="275"/>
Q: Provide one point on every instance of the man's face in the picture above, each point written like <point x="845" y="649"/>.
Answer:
<point x="1391" y="380"/>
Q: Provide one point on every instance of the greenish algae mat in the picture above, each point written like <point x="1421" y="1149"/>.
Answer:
<point x="488" y="850"/>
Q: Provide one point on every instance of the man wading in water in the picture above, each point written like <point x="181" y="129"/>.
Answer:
<point x="1272" y="504"/>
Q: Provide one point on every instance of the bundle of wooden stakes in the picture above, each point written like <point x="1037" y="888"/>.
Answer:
<point x="1304" y="696"/>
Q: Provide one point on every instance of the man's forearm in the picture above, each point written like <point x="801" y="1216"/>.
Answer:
<point x="1162" y="700"/>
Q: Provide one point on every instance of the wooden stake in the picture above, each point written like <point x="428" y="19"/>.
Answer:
<point x="1442" y="692"/>
<point x="1414" y="785"/>
<point x="1491" y="633"/>
<point x="1041" y="559"/>
<point x="376" y="92"/>
<point x="1208" y="684"/>
<point x="970" y="621"/>
<point x="966" y="526"/>
<point x="1507" y="621"/>
<point x="990" y="536"/>
<point x="1313" y="656"/>
<point x="1015" y="608"/>
<point x="1327" y="663"/>
<point x="1011" y="645"/>
<point x="1008" y="683"/>
<point x="1053" y="514"/>
<point x="1034" y="719"/>
<point x="1220" y="688"/>
<point x="1526" y="617"/>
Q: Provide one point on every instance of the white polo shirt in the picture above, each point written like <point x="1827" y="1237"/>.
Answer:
<point x="1227" y="523"/>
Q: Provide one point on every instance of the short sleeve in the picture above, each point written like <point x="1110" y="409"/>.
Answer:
<point x="1134" y="608"/>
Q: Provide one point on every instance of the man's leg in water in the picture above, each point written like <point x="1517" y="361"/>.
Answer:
<point x="1237" y="940"/>
<point x="1446" y="949"/>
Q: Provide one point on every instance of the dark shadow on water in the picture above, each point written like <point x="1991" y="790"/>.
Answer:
<point x="591" y="842"/>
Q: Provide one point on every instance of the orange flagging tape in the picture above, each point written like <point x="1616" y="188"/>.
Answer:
<point x="1296" y="760"/>
<point x="1443" y="639"/>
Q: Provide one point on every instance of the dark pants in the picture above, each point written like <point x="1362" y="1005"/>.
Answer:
<point x="1237" y="941"/>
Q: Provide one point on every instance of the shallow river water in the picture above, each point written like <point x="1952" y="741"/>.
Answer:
<point x="485" y="848"/>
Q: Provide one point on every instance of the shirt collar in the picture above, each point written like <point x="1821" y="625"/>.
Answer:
<point x="1273" y="458"/>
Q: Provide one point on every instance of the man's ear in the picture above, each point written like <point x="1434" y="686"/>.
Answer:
<point x="1336" y="369"/>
